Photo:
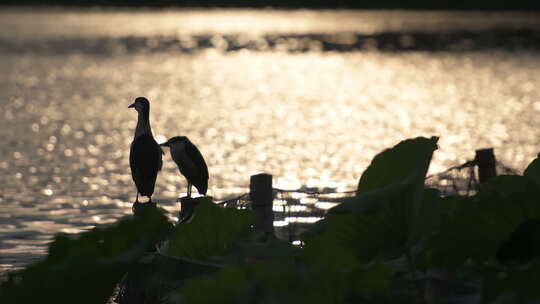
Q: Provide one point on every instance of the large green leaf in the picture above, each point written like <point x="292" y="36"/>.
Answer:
<point x="518" y="284"/>
<point x="391" y="213"/>
<point x="362" y="236"/>
<point x="210" y="232"/>
<point x="156" y="275"/>
<point x="408" y="158"/>
<point x="374" y="279"/>
<point x="253" y="248"/>
<point x="86" y="267"/>
<point x="270" y="282"/>
<point x="397" y="173"/>
<point x="533" y="170"/>
<point x="373" y="200"/>
<point x="483" y="223"/>
<point x="332" y="246"/>
<point x="426" y="217"/>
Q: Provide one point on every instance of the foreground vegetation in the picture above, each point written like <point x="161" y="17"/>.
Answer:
<point x="395" y="242"/>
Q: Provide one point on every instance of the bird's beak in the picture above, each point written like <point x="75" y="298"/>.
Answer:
<point x="131" y="105"/>
<point x="165" y="144"/>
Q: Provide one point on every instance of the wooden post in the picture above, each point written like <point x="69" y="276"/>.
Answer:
<point x="485" y="160"/>
<point x="187" y="208"/>
<point x="262" y="197"/>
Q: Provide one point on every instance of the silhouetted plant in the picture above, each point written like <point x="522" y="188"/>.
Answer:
<point x="210" y="232"/>
<point x="369" y="249"/>
<point x="86" y="268"/>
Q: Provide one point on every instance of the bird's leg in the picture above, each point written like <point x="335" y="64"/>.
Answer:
<point x="189" y="189"/>
<point x="134" y="207"/>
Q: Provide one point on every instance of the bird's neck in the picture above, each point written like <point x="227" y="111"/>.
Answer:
<point x="143" y="124"/>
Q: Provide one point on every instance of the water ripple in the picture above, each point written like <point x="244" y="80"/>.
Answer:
<point x="508" y="39"/>
<point x="309" y="117"/>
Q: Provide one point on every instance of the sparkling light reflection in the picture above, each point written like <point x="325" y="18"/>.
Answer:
<point x="311" y="118"/>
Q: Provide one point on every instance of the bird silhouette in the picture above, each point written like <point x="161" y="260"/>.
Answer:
<point x="190" y="162"/>
<point x="145" y="156"/>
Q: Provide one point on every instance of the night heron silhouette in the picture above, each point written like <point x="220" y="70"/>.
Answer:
<point x="190" y="162"/>
<point x="145" y="156"/>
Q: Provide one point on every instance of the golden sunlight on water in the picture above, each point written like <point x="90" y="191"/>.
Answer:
<point x="312" y="119"/>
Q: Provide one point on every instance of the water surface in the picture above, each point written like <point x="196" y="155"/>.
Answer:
<point x="307" y="114"/>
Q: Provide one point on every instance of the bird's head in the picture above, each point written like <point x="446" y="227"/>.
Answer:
<point x="141" y="104"/>
<point x="174" y="141"/>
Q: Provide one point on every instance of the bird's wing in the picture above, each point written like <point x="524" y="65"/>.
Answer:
<point x="145" y="158"/>
<point x="133" y="159"/>
<point x="160" y="156"/>
<point x="198" y="159"/>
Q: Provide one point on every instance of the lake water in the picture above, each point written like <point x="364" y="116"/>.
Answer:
<point x="309" y="96"/>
